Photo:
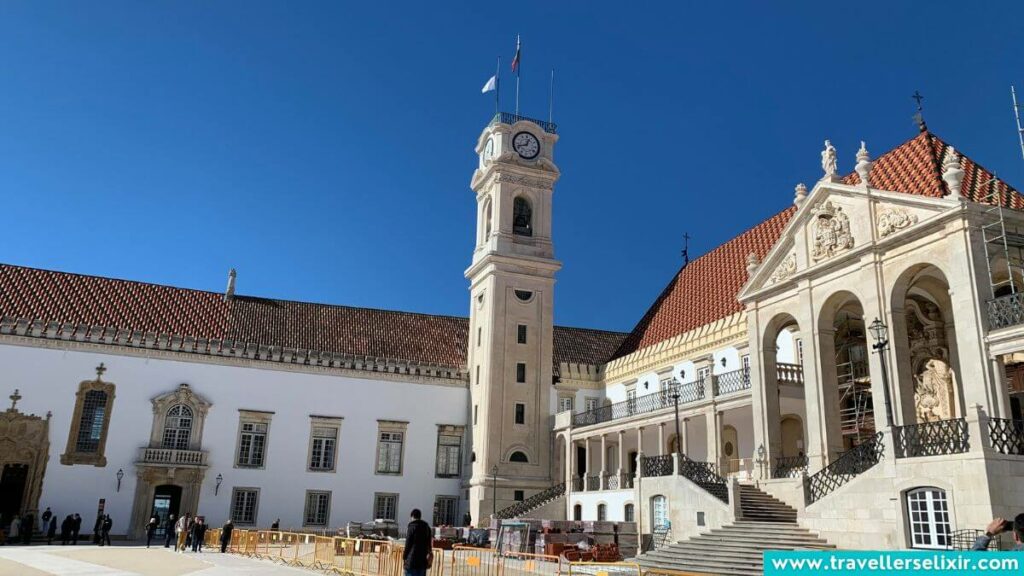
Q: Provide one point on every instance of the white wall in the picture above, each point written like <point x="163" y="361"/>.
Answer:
<point x="615" y="500"/>
<point x="49" y="379"/>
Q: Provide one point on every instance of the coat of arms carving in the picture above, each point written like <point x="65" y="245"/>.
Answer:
<point x="893" y="220"/>
<point x="831" y="231"/>
<point x="786" y="269"/>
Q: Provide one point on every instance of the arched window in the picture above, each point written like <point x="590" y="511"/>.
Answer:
<point x="487" y="219"/>
<point x="659" y="512"/>
<point x="577" y="512"/>
<point x="602" y="512"/>
<point x="627" y="513"/>
<point x="177" y="427"/>
<point x="522" y="217"/>
<point x="87" y="437"/>
<point x="518" y="457"/>
<point x="928" y="512"/>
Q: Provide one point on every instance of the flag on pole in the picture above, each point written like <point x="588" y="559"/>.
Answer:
<point x="515" y="60"/>
<point x="491" y="85"/>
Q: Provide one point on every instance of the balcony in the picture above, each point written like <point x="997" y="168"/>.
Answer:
<point x="170" y="457"/>
<point x="599" y="482"/>
<point x="510" y="118"/>
<point x="1006" y="311"/>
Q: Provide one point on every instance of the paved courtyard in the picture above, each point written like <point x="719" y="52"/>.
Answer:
<point x="130" y="561"/>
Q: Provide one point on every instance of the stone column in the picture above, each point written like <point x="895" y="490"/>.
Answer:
<point x="639" y="439"/>
<point x="684" y="442"/>
<point x="621" y="448"/>
<point x="711" y="419"/>
<point x="661" y="439"/>
<point x="590" y="464"/>
<point x="604" y="455"/>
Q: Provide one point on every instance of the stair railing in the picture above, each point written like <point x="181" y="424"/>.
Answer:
<point x="845" y="468"/>
<point x="533" y="502"/>
<point x="705" y="475"/>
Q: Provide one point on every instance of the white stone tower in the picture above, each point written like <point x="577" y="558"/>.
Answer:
<point x="512" y="282"/>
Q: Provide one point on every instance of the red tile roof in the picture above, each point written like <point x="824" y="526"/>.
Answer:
<point x="30" y="293"/>
<point x="706" y="290"/>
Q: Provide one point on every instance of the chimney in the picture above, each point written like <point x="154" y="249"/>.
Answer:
<point x="229" y="294"/>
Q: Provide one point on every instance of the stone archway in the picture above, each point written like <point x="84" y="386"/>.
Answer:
<point x="24" y="451"/>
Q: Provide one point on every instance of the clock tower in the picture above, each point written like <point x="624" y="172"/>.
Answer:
<point x="512" y="280"/>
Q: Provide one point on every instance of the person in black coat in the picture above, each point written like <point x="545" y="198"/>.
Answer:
<point x="418" y="553"/>
<point x="225" y="535"/>
<point x="51" y="530"/>
<point x="76" y="527"/>
<point x="105" y="530"/>
<point x="65" y="529"/>
<point x="27" y="523"/>
<point x="169" y="530"/>
<point x="151" y="529"/>
<point x="198" y="534"/>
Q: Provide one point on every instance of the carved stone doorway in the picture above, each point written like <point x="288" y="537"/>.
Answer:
<point x="166" y="501"/>
<point x="24" y="451"/>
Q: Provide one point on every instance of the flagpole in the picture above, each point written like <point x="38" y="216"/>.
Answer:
<point x="519" y="68"/>
<point x="551" y="96"/>
<point x="497" y="88"/>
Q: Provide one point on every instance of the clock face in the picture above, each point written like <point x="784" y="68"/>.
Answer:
<point x="489" y="149"/>
<point x="526" y="145"/>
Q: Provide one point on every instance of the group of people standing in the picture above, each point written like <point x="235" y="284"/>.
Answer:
<point x="186" y="532"/>
<point x="20" y="529"/>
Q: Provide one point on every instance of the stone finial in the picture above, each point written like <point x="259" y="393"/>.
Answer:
<point x="14" y="399"/>
<point x="828" y="161"/>
<point x="863" y="167"/>
<point x="229" y="294"/>
<point x="801" y="194"/>
<point x="752" y="263"/>
<point x="952" y="173"/>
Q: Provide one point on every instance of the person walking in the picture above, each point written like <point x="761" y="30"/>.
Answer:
<point x="105" y="527"/>
<point x="46" y="516"/>
<point x="276" y="526"/>
<point x="65" y="529"/>
<point x="198" y="533"/>
<point x="996" y="527"/>
<point x="169" y="532"/>
<point x="418" y="554"/>
<point x="225" y="535"/>
<point x="150" y="530"/>
<point x="76" y="528"/>
<point x="27" y="524"/>
<point x="97" y="530"/>
<point x="13" y="535"/>
<point x="188" y="533"/>
<point x="179" y="531"/>
<point x="51" y="530"/>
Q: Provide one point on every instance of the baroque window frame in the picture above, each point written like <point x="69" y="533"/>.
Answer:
<point x="185" y="396"/>
<point x="324" y="422"/>
<point x="390" y="427"/>
<point x="451" y="431"/>
<point x="246" y="416"/>
<point x="72" y="456"/>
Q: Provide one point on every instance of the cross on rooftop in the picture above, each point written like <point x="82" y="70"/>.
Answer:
<point x="100" y="370"/>
<point x="919" y="116"/>
<point x="917" y="96"/>
<point x="14" y="398"/>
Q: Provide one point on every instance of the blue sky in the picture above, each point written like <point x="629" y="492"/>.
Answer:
<point x="325" y="148"/>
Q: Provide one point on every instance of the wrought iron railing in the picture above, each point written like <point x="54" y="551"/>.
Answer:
<point x="847" y="467"/>
<point x="789" y="373"/>
<point x="1006" y="436"/>
<point x="931" y="438"/>
<point x="734" y="381"/>
<point x="657" y="465"/>
<point x="612" y="481"/>
<point x="577" y="483"/>
<point x="532" y="503"/>
<point x="705" y="475"/>
<point x="593" y="482"/>
<point x="789" y="466"/>
<point x="688" y="392"/>
<point x="1006" y="311"/>
<point x="510" y="118"/>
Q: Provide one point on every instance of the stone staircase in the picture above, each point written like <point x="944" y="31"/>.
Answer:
<point x="737" y="549"/>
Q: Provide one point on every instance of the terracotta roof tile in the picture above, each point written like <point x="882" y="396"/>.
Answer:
<point x="79" y="299"/>
<point x="706" y="290"/>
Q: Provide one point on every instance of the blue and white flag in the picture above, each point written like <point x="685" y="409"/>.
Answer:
<point x="491" y="85"/>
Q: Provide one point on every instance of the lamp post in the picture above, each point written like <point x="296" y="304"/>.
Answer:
<point x="494" y="491"/>
<point x="679" y="437"/>
<point x="216" y="488"/>
<point x="879" y="331"/>
<point x="761" y="459"/>
<point x="120" y="476"/>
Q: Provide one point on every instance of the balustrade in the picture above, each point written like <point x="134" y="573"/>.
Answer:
<point x="789" y="466"/>
<point x="931" y="438"/>
<point x="734" y="381"/>
<point x="845" y="468"/>
<point x="1006" y="436"/>
<point x="172" y="457"/>
<point x="1006" y="311"/>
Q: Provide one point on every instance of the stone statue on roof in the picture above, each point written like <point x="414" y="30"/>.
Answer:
<point x="828" y="159"/>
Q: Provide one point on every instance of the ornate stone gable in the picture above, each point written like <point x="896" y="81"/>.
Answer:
<point x="25" y="442"/>
<point x="892" y="220"/>
<point x="831" y="229"/>
<point x="785" y="269"/>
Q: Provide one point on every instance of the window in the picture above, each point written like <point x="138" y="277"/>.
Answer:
<point x="390" y="443"/>
<point x="590" y="404"/>
<point x="318" y="508"/>
<point x="928" y="512"/>
<point x="479" y="335"/>
<point x="703" y="374"/>
<point x="521" y="334"/>
<point x="659" y="512"/>
<point x="627" y="513"/>
<point x="520" y="372"/>
<point x="745" y="363"/>
<point x="252" y="440"/>
<point x="385" y="506"/>
<point x="518" y="495"/>
<point x="800" y="351"/>
<point x="475" y="413"/>
<point x="244" y="502"/>
<point x="177" y="427"/>
<point x="446" y="509"/>
<point x="449" y="451"/>
<point x="520" y="413"/>
<point x="477" y="381"/>
<point x="564" y="403"/>
<point x="524" y="295"/>
<point x="518" y="457"/>
<point x="323" y="444"/>
<point x="602" y="512"/>
<point x="522" y="217"/>
<point x="631" y="400"/>
<point x="577" y="512"/>
<point x="87" y="437"/>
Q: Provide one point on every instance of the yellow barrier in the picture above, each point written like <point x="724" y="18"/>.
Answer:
<point x="604" y="569"/>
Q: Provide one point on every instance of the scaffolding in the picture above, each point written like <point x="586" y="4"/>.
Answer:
<point x="856" y="407"/>
<point x="1004" y="242"/>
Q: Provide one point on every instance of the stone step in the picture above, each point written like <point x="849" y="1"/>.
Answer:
<point x="756" y="540"/>
<point x="766" y="529"/>
<point x="700" y="567"/>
